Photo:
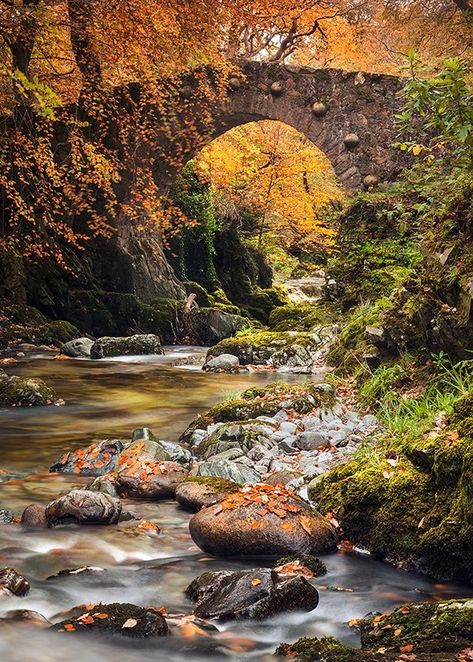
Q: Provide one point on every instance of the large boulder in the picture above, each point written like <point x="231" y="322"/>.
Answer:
<point x="222" y="363"/>
<point x="94" y="460"/>
<point x="126" y="346"/>
<point x="262" y="520"/>
<point x="212" y="325"/>
<point x="198" y="491"/>
<point x="78" y="348"/>
<point x="126" y="620"/>
<point x="149" y="479"/>
<point x="258" y="593"/>
<point x="24" y="391"/>
<point x="84" y="507"/>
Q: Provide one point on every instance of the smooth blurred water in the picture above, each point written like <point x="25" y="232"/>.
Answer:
<point x="111" y="398"/>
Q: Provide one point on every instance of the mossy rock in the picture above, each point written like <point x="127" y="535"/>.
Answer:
<point x="438" y="627"/>
<point x="430" y="631"/>
<point x="258" y="347"/>
<point x="326" y="649"/>
<point x="262" y="401"/>
<point x="420" y="518"/>
<point x="25" y="392"/>
<point x="203" y="298"/>
<point x="313" y="563"/>
<point x="57" y="333"/>
<point x="303" y="316"/>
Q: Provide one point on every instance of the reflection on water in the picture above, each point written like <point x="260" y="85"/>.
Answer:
<point x="111" y="398"/>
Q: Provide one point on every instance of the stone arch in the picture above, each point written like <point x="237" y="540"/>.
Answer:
<point x="349" y="116"/>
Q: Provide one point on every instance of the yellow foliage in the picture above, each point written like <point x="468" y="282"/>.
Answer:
<point x="277" y="174"/>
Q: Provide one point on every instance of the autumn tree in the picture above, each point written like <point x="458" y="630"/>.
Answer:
<point x="279" y="178"/>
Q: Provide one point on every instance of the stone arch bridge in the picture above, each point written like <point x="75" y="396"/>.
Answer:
<point x="350" y="116"/>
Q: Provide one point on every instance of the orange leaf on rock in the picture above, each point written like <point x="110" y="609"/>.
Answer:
<point x="255" y="581"/>
<point x="305" y="524"/>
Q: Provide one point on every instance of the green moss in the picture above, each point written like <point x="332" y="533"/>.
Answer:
<point x="438" y="624"/>
<point x="317" y="566"/>
<point x="303" y="316"/>
<point x="25" y="392"/>
<point x="326" y="649"/>
<point x="264" y="401"/>
<point x="216" y="483"/>
<point x="259" y="346"/>
<point x="348" y="353"/>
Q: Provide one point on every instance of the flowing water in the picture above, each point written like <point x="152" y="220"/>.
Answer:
<point x="110" y="398"/>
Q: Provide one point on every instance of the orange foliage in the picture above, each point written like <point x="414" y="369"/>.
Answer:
<point x="276" y="173"/>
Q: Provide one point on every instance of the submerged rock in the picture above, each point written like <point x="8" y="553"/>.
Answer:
<point x="262" y="520"/>
<point x="126" y="346"/>
<point x="12" y="582"/>
<point x="123" y="619"/>
<point x="84" y="507"/>
<point x="24" y="391"/>
<point x="34" y="517"/>
<point x="27" y="617"/>
<point x="95" y="460"/>
<point x="258" y="593"/>
<point x="78" y="348"/>
<point x="198" y="491"/>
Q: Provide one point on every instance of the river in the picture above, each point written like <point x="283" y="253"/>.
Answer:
<point x="109" y="399"/>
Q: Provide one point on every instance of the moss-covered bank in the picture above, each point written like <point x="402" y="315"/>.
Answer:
<point x="424" y="632"/>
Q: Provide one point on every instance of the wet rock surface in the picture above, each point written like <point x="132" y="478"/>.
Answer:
<point x="148" y="479"/>
<point x="262" y="520"/>
<point x="24" y="392"/>
<point x="125" y="620"/>
<point x="95" y="460"/>
<point x="12" y="583"/>
<point x="258" y="594"/>
<point x="84" y="507"/>
<point x="109" y="346"/>
<point x="78" y="348"/>
<point x="199" y="491"/>
<point x="34" y="517"/>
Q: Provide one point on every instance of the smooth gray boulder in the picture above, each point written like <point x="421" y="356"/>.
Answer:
<point x="78" y="348"/>
<point x="139" y="344"/>
<point x="84" y="507"/>
<point x="222" y="363"/>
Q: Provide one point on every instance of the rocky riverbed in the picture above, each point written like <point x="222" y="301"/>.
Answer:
<point x="140" y="550"/>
